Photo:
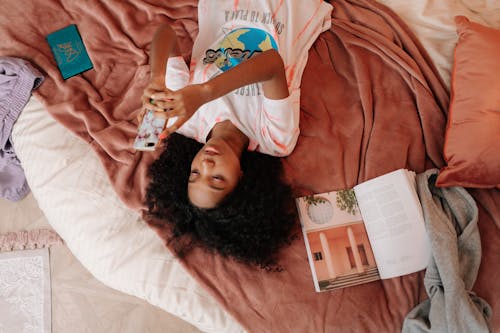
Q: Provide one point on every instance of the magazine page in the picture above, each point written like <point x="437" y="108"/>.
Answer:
<point x="394" y="223"/>
<point x="337" y="245"/>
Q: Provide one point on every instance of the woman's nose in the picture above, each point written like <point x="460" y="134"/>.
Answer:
<point x="208" y="162"/>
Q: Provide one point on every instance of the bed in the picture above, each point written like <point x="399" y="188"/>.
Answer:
<point x="90" y="186"/>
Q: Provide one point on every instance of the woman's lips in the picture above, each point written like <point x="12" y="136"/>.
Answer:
<point x="209" y="150"/>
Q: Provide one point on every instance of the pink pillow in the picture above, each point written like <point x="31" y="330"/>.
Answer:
<point x="472" y="142"/>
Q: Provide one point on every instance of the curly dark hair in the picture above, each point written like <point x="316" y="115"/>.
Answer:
<point x="250" y="225"/>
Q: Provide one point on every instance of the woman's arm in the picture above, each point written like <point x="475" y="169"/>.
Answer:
<point x="163" y="46"/>
<point x="266" y="67"/>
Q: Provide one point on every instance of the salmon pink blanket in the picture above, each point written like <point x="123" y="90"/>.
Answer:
<point x="372" y="102"/>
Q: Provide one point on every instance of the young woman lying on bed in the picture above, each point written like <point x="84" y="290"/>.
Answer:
<point x="225" y="187"/>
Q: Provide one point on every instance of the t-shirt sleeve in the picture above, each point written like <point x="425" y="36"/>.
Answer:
<point x="177" y="73"/>
<point x="305" y="21"/>
<point x="280" y="125"/>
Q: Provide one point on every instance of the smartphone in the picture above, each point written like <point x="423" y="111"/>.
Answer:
<point x="148" y="133"/>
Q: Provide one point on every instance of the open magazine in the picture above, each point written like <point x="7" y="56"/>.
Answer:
<point x="374" y="231"/>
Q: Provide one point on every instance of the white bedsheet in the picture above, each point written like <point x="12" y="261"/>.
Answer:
<point x="109" y="239"/>
<point x="433" y="23"/>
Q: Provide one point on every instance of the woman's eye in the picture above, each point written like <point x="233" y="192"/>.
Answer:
<point x="219" y="178"/>
<point x="194" y="172"/>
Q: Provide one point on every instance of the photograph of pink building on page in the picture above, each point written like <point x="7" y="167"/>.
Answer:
<point x="373" y="231"/>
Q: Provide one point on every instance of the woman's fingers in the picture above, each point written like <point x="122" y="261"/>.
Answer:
<point x="161" y="115"/>
<point x="174" y="113"/>
<point x="152" y="106"/>
<point x="180" y="104"/>
<point x="147" y="101"/>
<point x="166" y="105"/>
<point x="172" y="128"/>
<point x="153" y="96"/>
<point x="149" y="93"/>
<point x="140" y="116"/>
<point x="163" y="95"/>
<point x="178" y="123"/>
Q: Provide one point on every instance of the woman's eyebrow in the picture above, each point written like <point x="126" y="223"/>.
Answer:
<point x="211" y="186"/>
<point x="217" y="188"/>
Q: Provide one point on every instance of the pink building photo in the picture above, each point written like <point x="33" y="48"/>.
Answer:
<point x="339" y="251"/>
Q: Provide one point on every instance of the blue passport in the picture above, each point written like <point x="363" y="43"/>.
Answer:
<point x="69" y="51"/>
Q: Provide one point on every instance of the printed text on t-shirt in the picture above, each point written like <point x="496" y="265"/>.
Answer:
<point x="256" y="17"/>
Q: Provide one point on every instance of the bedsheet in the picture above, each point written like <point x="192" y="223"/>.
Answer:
<point x="109" y="239"/>
<point x="432" y="20"/>
<point x="433" y="23"/>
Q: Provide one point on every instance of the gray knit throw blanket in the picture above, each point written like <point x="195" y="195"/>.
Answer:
<point x="450" y="216"/>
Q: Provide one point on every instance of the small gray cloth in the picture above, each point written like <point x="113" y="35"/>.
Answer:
<point x="450" y="216"/>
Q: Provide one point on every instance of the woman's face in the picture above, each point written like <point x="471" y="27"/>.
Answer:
<point x="215" y="173"/>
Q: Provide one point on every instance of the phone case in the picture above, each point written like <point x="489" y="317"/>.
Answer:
<point x="150" y="129"/>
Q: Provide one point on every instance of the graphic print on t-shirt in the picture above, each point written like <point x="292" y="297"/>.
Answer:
<point x="239" y="45"/>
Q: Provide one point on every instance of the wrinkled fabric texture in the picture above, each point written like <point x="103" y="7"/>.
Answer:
<point x="18" y="78"/>
<point x="371" y="102"/>
<point x="450" y="216"/>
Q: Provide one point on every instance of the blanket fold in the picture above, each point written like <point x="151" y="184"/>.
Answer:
<point x="450" y="216"/>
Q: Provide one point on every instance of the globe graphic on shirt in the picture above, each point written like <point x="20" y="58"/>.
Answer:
<point x="241" y="44"/>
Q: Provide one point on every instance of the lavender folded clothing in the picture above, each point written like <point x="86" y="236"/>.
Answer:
<point x="18" y="78"/>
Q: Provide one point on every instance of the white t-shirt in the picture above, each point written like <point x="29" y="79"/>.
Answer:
<point x="231" y="31"/>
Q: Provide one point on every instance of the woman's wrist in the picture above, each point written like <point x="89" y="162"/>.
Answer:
<point x="157" y="81"/>
<point x="207" y="92"/>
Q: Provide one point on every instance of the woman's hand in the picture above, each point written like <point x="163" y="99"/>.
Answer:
<point x="181" y="104"/>
<point x="148" y="102"/>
